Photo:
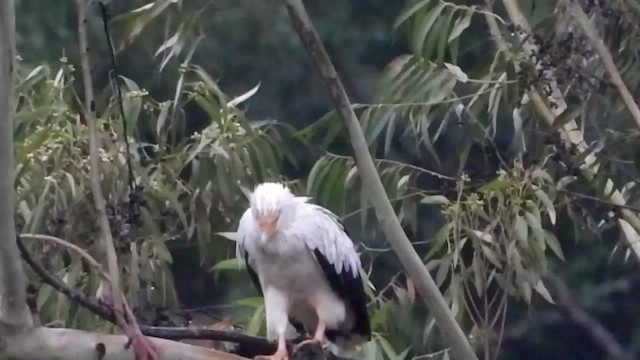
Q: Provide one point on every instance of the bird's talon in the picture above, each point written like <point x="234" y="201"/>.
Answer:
<point x="272" y="357"/>
<point x="308" y="341"/>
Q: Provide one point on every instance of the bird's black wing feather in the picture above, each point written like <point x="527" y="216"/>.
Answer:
<point x="350" y="288"/>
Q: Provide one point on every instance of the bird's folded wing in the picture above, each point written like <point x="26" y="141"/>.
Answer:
<point x="321" y="230"/>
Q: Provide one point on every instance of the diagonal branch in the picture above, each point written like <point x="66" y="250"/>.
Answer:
<point x="580" y="317"/>
<point x="570" y="132"/>
<point x="575" y="9"/>
<point x="460" y="347"/>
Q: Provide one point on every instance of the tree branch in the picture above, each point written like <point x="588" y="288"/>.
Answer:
<point x="570" y="132"/>
<point x="144" y="349"/>
<point x="248" y="346"/>
<point x="460" y="347"/>
<point x="46" y="344"/>
<point x="94" y="306"/>
<point x="575" y="9"/>
<point x="96" y="190"/>
<point x="580" y="317"/>
<point x="14" y="313"/>
<point x="541" y="319"/>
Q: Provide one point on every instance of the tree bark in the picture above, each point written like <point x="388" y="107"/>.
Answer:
<point x="69" y="344"/>
<point x="431" y="295"/>
<point x="14" y="313"/>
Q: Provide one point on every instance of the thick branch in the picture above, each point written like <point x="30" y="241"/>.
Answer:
<point x="14" y="312"/>
<point x="575" y="9"/>
<point x="543" y="320"/>
<point x="460" y="347"/>
<point x="248" y="345"/>
<point x="69" y="344"/>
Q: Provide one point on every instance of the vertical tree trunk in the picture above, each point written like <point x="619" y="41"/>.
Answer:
<point x="14" y="314"/>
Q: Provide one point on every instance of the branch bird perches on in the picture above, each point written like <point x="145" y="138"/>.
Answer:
<point x="247" y="345"/>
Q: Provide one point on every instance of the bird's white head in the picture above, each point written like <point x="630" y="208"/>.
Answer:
<point x="267" y="203"/>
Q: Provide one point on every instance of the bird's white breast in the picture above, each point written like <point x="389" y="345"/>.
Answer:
<point x="291" y="268"/>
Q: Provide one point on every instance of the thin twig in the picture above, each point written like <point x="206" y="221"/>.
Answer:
<point x="75" y="248"/>
<point x="96" y="190"/>
<point x="60" y="285"/>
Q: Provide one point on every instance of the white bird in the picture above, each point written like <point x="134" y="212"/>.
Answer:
<point x="304" y="264"/>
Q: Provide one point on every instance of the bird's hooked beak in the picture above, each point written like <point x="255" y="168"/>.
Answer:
<point x="267" y="224"/>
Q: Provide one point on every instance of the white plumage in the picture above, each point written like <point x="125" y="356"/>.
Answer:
<point x="305" y="265"/>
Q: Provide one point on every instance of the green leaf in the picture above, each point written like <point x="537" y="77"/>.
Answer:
<point x="551" y="210"/>
<point x="522" y="229"/>
<point x="229" y="264"/>
<point x="162" y="117"/>
<point x="542" y="290"/>
<point x="233" y="236"/>
<point x="554" y="244"/>
<point x="435" y="199"/>
<point x="439" y="239"/>
<point x="536" y="228"/>
<point x="256" y="321"/>
<point x="405" y="15"/>
<point x="461" y="24"/>
<point x="386" y="347"/>
<point x="239" y="99"/>
<point x="425" y="26"/>
<point x="131" y="105"/>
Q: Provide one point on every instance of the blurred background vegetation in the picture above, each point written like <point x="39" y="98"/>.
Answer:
<point x="221" y="95"/>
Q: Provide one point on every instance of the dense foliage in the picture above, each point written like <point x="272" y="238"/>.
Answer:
<point x="491" y="196"/>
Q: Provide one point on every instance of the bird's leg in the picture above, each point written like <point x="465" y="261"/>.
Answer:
<point x="281" y="352"/>
<point x="318" y="337"/>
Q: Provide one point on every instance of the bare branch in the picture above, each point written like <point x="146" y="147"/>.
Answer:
<point x="580" y="317"/>
<point x="75" y="248"/>
<point x="96" y="190"/>
<point x="142" y="347"/>
<point x="14" y="313"/>
<point x="460" y="347"/>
